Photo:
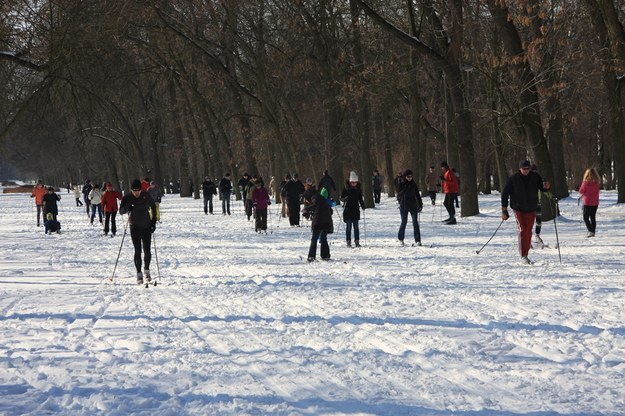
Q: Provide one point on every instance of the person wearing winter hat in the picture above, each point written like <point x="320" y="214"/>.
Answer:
<point x="49" y="203"/>
<point x="521" y="191"/>
<point x="51" y="225"/>
<point x="353" y="201"/>
<point x="141" y="209"/>
<point x="157" y="195"/>
<point x="410" y="202"/>
<point x="450" y="189"/>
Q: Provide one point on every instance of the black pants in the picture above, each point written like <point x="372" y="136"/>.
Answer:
<point x="293" y="207"/>
<point x="261" y="219"/>
<point x="590" y="219"/>
<point x="450" y="205"/>
<point x="539" y="220"/>
<point x="110" y="217"/>
<point x="322" y="236"/>
<point x="208" y="204"/>
<point x="141" y="237"/>
<point x="377" y="193"/>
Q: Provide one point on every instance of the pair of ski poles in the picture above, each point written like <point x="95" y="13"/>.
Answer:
<point x="158" y="269"/>
<point x="555" y="223"/>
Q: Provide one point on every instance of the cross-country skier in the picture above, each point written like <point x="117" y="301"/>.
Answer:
<point x="142" y="210"/>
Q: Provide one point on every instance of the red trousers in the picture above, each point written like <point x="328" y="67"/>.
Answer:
<point x="525" y="221"/>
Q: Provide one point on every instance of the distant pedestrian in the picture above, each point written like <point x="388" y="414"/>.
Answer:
<point x="327" y="182"/>
<point x="284" y="208"/>
<point x="142" y="221"/>
<point x="260" y="202"/>
<point x="77" y="196"/>
<point x="376" y="185"/>
<point x="431" y="182"/>
<point x="157" y="195"/>
<point x="353" y="201"/>
<point x="317" y="208"/>
<point x="225" y="190"/>
<point x="589" y="189"/>
<point x="450" y="189"/>
<point x="39" y="191"/>
<point x="294" y="189"/>
<point x="410" y="202"/>
<point x="208" y="190"/>
<point x="50" y="200"/>
<point x="521" y="190"/>
<point x="109" y="204"/>
<point x="86" y="188"/>
<point x="95" y="196"/>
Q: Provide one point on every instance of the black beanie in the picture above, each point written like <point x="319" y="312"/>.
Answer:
<point x="407" y="172"/>
<point x="135" y="185"/>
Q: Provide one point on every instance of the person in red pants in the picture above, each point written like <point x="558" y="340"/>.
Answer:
<point x="522" y="191"/>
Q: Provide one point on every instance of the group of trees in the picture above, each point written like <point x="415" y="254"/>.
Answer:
<point x="180" y="89"/>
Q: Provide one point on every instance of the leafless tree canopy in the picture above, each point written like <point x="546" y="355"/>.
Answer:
<point x="176" y="90"/>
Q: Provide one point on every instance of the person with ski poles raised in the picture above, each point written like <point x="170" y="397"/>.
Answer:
<point x="142" y="220"/>
<point x="521" y="191"/>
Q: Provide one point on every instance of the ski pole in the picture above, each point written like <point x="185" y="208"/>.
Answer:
<point x="364" y="222"/>
<point x="555" y="224"/>
<point x="491" y="237"/>
<point x="120" y="249"/>
<point x="158" y="268"/>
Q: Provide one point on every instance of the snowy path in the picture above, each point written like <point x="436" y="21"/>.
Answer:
<point x="240" y="323"/>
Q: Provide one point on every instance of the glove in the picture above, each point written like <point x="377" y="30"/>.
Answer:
<point x="504" y="213"/>
<point x="419" y="207"/>
<point x="268" y="203"/>
<point x="153" y="226"/>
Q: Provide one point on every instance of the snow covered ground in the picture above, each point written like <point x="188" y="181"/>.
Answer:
<point x="241" y="324"/>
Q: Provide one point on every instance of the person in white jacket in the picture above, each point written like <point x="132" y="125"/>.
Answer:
<point x="95" y="196"/>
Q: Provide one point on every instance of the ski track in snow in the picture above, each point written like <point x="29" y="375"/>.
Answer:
<point x="241" y="324"/>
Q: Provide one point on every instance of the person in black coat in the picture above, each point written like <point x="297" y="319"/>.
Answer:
<point x="522" y="191"/>
<point x="208" y="190"/>
<point x="410" y="202"/>
<point x="353" y="201"/>
<point x="293" y="189"/>
<point x="86" y="189"/>
<point x="49" y="203"/>
<point x="225" y="189"/>
<point x="327" y="182"/>
<point x="317" y="208"/>
<point x="141" y="209"/>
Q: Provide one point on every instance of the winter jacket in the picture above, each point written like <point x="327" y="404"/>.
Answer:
<point x="49" y="204"/>
<point x="95" y="196"/>
<point x="409" y="197"/>
<point x="328" y="183"/>
<point x="225" y="186"/>
<point x="38" y="193"/>
<point x="139" y="209"/>
<point x="293" y="190"/>
<point x="260" y="197"/>
<point x="353" y="201"/>
<point x="522" y="191"/>
<point x="431" y="181"/>
<point x="376" y="182"/>
<point x="321" y="212"/>
<point x="450" y="182"/>
<point x="109" y="200"/>
<point x="86" y="189"/>
<point x="208" y="188"/>
<point x="156" y="194"/>
<point x="590" y="192"/>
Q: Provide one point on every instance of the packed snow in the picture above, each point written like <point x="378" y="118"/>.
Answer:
<point x="242" y="324"/>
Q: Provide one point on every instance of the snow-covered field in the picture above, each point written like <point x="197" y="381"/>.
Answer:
<point x="241" y="324"/>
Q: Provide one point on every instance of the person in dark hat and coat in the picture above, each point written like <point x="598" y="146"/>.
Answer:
<point x="410" y="202"/>
<point x="521" y="191"/>
<point x="142" y="210"/>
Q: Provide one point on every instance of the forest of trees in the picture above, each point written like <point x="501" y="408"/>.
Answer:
<point x="180" y="89"/>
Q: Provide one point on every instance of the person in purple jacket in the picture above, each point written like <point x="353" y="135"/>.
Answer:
<point x="589" y="189"/>
<point x="260" y="203"/>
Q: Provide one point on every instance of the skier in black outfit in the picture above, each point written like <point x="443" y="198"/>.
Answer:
<point x="293" y="190"/>
<point x="353" y="201"/>
<point x="87" y="187"/>
<point x="327" y="182"/>
<point x="142" y="210"/>
<point x="317" y="207"/>
<point x="410" y="202"/>
<point x="208" y="189"/>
